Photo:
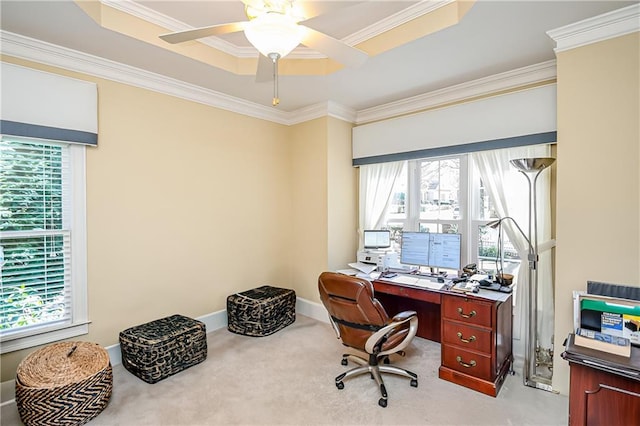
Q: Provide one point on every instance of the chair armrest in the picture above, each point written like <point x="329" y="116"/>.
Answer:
<point x="402" y="318"/>
<point x="403" y="315"/>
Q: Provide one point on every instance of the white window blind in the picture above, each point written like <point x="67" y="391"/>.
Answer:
<point x="39" y="285"/>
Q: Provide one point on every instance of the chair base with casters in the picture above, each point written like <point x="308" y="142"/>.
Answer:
<point x="374" y="368"/>
<point x="361" y="323"/>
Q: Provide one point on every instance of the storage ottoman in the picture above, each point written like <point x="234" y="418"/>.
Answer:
<point x="161" y="348"/>
<point x="261" y="311"/>
<point x="66" y="383"/>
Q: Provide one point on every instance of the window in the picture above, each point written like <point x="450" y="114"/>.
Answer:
<point x="447" y="195"/>
<point x="42" y="242"/>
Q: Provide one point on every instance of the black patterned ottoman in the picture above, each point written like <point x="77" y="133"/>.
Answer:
<point x="161" y="348"/>
<point x="261" y="311"/>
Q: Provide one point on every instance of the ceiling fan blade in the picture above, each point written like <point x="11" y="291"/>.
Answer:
<point x="333" y="48"/>
<point x="265" y="69"/>
<point x="196" y="33"/>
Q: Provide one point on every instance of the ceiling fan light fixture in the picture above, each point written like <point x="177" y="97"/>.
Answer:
<point x="274" y="33"/>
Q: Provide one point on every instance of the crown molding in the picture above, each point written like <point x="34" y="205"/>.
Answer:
<point x="509" y="80"/>
<point x="49" y="54"/>
<point x="323" y="109"/>
<point x="140" y="11"/>
<point x="599" y="28"/>
<point x="147" y="14"/>
<point x="399" y="18"/>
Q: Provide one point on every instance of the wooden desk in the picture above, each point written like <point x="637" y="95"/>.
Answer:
<point x="474" y="331"/>
<point x="604" y="389"/>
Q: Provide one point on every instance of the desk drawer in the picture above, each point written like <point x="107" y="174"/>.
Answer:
<point x="470" y="311"/>
<point x="424" y="295"/>
<point x="474" y="338"/>
<point x="472" y="363"/>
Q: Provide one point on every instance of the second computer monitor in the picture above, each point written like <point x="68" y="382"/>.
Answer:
<point x="431" y="249"/>
<point x="377" y="239"/>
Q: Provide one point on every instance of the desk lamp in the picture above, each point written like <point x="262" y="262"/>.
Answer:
<point x="531" y="167"/>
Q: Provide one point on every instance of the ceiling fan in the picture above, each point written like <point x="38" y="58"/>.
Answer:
<point x="274" y="28"/>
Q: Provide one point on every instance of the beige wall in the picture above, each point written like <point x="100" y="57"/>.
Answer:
<point x="598" y="193"/>
<point x="324" y="202"/>
<point x="308" y="249"/>
<point x="187" y="204"/>
<point x="342" y="180"/>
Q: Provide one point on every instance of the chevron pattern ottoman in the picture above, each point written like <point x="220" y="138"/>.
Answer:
<point x="261" y="311"/>
<point x="66" y="383"/>
<point x="161" y="348"/>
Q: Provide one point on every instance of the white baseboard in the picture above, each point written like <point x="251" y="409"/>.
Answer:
<point x="7" y="392"/>
<point x="212" y="321"/>
<point x="312" y="310"/>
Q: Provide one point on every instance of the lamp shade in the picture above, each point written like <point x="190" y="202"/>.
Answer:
<point x="274" y="33"/>
<point x="532" y="164"/>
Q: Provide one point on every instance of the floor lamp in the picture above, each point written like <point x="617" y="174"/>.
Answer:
<point x="531" y="169"/>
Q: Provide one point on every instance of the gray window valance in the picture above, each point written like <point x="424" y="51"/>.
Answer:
<point x="48" y="106"/>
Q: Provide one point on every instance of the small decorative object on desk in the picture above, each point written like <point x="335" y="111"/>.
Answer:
<point x="466" y="287"/>
<point x="603" y="342"/>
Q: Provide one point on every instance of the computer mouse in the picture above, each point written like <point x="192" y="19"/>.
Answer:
<point x="440" y="279"/>
<point x="476" y="289"/>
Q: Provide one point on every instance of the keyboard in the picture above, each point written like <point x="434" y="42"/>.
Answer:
<point x="427" y="283"/>
<point x="403" y="279"/>
<point x="417" y="281"/>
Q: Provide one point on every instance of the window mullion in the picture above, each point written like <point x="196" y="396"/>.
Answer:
<point x="413" y="189"/>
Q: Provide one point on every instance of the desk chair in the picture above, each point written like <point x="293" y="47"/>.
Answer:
<point x="361" y="322"/>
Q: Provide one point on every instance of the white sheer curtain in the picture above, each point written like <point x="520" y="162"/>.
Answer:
<point x="510" y="193"/>
<point x="376" y="186"/>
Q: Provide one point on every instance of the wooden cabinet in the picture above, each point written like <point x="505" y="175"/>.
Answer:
<point x="476" y="342"/>
<point x="601" y="398"/>
<point x="604" y="388"/>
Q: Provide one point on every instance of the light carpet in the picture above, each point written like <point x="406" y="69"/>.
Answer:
<point x="288" y="379"/>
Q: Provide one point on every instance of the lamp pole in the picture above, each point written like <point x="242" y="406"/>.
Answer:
<point x="533" y="167"/>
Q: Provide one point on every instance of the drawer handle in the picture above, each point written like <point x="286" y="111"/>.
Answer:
<point x="464" y="364"/>
<point x="471" y="314"/>
<point x="469" y="340"/>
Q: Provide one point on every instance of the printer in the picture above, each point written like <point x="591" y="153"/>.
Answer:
<point x="381" y="258"/>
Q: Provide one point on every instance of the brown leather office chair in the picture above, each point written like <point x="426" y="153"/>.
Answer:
<point x="361" y="322"/>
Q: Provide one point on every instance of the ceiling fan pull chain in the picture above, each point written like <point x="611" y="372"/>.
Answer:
<point x="274" y="58"/>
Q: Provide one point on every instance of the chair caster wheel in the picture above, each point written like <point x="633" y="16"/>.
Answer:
<point x="414" y="383"/>
<point x="382" y="402"/>
<point x="344" y="361"/>
<point x="340" y="385"/>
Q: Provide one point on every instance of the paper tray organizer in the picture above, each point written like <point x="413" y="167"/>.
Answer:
<point x="591" y="309"/>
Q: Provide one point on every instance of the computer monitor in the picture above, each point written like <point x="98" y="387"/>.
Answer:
<point x="431" y="249"/>
<point x="377" y="239"/>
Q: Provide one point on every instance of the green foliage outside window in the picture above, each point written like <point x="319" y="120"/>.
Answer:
<point x="32" y="277"/>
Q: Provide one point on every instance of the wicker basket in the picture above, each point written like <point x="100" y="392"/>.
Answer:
<point x="161" y="348"/>
<point x="66" y="383"/>
<point x="261" y="311"/>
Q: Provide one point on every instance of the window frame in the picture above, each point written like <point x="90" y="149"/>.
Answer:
<point x="79" y="324"/>
<point x="468" y="223"/>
